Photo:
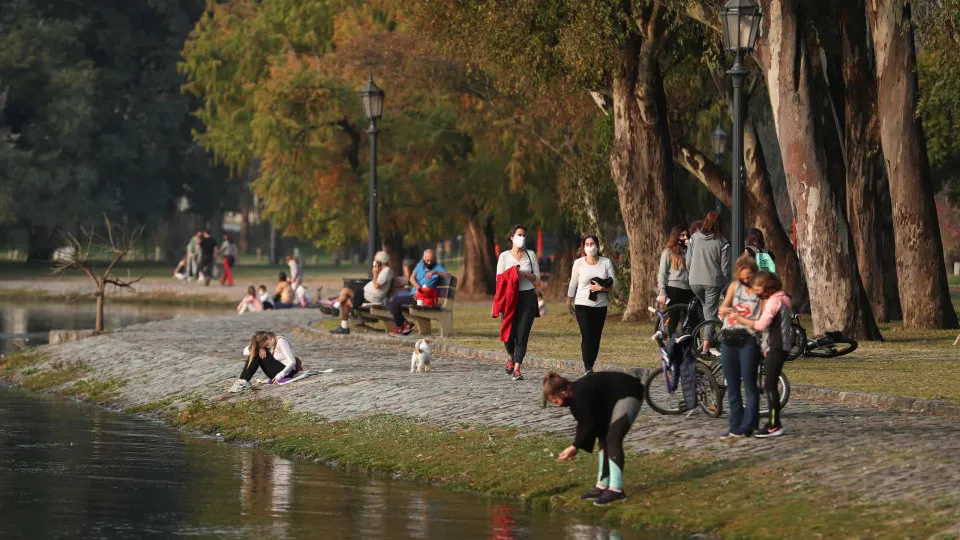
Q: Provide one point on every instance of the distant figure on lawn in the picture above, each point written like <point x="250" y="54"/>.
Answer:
<point x="250" y="302"/>
<point x="208" y="254"/>
<point x="284" y="296"/>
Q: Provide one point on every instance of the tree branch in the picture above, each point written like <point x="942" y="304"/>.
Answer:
<point x="703" y="168"/>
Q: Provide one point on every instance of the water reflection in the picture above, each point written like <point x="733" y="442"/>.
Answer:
<point x="25" y="324"/>
<point x="69" y="470"/>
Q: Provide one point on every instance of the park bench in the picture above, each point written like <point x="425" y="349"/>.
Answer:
<point x="375" y="313"/>
<point x="423" y="317"/>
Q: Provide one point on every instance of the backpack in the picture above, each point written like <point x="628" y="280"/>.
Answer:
<point x="764" y="259"/>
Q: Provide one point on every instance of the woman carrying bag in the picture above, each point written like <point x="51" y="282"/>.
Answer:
<point x="526" y="308"/>
<point x="591" y="279"/>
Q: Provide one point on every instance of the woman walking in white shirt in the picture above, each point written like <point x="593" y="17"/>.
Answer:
<point x="590" y="281"/>
<point x="527" y="308"/>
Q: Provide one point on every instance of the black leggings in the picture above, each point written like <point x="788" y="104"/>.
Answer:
<point x="772" y="367"/>
<point x="270" y="366"/>
<point x="591" y="321"/>
<point x="527" y="311"/>
<point x="677" y="297"/>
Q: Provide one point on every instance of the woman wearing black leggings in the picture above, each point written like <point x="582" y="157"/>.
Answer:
<point x="527" y="308"/>
<point x="271" y="353"/>
<point x="605" y="405"/>
<point x="590" y="281"/>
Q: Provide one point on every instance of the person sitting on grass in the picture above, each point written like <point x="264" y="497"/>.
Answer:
<point x="272" y="353"/>
<point x="250" y="302"/>
<point x="605" y="405"/>
<point x="265" y="299"/>
<point x="374" y="292"/>
<point x="284" y="296"/>
<point x="427" y="274"/>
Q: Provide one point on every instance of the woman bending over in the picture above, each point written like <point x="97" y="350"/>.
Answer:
<point x="605" y="404"/>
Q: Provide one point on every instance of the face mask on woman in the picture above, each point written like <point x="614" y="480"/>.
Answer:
<point x="519" y="241"/>
<point x="591" y="250"/>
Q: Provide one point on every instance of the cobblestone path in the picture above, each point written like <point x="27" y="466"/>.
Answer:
<point x="890" y="455"/>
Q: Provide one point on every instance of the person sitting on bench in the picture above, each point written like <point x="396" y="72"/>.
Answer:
<point x="272" y="353"/>
<point x="374" y="292"/>
<point x="426" y="274"/>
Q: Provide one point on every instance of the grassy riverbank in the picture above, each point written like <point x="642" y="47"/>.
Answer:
<point x="913" y="363"/>
<point x="676" y="491"/>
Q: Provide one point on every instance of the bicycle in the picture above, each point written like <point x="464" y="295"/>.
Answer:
<point x="830" y="345"/>
<point x="660" y="393"/>
<point x="712" y="357"/>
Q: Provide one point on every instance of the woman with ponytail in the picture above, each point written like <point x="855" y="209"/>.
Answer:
<point x="604" y="405"/>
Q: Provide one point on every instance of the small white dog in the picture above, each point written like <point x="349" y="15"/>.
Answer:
<point x="421" y="358"/>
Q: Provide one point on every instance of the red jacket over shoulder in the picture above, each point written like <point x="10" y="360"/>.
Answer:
<point x="505" y="300"/>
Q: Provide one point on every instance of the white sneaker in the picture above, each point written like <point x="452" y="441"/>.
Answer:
<point x="239" y="386"/>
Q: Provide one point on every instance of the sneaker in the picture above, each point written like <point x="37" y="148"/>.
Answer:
<point x="341" y="331"/>
<point x="594" y="493"/>
<point x="610" y="496"/>
<point x="398" y="331"/>
<point x="587" y="372"/>
<point x="509" y="369"/>
<point x="517" y="376"/>
<point x="731" y="436"/>
<point x="407" y="328"/>
<point x="769" y="431"/>
<point x="239" y="386"/>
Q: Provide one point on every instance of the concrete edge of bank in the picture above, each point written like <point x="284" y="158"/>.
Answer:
<point x="803" y="391"/>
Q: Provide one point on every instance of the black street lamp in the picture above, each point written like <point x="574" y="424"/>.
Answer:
<point x="741" y="23"/>
<point x="719" y="140"/>
<point x="372" y="97"/>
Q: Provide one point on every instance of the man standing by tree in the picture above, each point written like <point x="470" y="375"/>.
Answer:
<point x="208" y="252"/>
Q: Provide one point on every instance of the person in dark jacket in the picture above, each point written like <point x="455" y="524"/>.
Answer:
<point x="605" y="405"/>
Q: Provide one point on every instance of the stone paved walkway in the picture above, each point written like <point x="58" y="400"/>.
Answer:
<point x="890" y="455"/>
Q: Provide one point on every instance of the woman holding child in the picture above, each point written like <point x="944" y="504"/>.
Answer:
<point x="739" y="351"/>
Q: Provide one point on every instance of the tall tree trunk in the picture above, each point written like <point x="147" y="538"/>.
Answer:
<point x="40" y="241"/>
<point x="100" y="295"/>
<point x="392" y="243"/>
<point x="641" y="165"/>
<point x="562" y="263"/>
<point x="924" y="293"/>
<point x="861" y="141"/>
<point x="244" y="243"/>
<point x="479" y="262"/>
<point x="825" y="244"/>
<point x="760" y="208"/>
<point x="761" y="213"/>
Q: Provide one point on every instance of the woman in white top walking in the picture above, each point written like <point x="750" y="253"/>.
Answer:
<point x="590" y="281"/>
<point x="527" y="308"/>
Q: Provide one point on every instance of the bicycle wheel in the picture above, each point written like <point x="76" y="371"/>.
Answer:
<point x="662" y="392"/>
<point x="714" y="329"/>
<point x="799" y="343"/>
<point x="783" y="386"/>
<point x="708" y="392"/>
<point x="832" y="349"/>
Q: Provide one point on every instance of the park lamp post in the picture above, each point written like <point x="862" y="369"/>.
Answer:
<point x="741" y="23"/>
<point x="719" y="140"/>
<point x="372" y="97"/>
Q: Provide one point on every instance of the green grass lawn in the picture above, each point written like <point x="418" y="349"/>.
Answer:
<point x="922" y="364"/>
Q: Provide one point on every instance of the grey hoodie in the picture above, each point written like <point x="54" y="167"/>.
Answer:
<point x="707" y="260"/>
<point x="668" y="276"/>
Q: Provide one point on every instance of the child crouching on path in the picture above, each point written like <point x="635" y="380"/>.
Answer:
<point x="272" y="353"/>
<point x="776" y="323"/>
<point x="605" y="405"/>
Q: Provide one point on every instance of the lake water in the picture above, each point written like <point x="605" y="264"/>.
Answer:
<point x="23" y="324"/>
<point x="71" y="470"/>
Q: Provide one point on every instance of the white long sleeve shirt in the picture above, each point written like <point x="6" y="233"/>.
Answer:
<point x="580" y="277"/>
<point x="527" y="264"/>
<point x="283" y="352"/>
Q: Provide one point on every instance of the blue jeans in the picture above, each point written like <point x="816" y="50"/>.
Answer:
<point x="742" y="363"/>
